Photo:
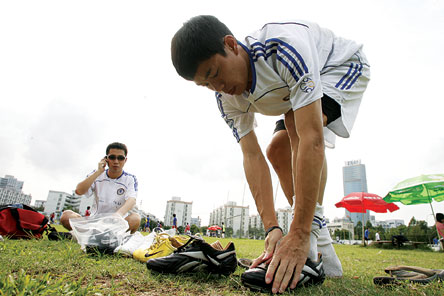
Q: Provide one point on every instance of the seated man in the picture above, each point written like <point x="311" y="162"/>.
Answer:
<point x="115" y="191"/>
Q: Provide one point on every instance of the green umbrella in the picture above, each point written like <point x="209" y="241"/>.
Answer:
<point x="418" y="190"/>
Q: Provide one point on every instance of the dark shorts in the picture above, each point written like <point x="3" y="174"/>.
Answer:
<point x="330" y="108"/>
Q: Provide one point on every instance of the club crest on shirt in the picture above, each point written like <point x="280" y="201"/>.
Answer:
<point x="307" y="85"/>
<point x="120" y="191"/>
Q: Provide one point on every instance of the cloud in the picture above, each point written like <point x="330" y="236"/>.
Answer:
<point x="60" y="136"/>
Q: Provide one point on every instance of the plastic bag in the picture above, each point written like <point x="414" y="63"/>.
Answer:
<point x="101" y="232"/>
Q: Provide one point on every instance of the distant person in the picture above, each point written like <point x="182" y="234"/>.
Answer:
<point x="366" y="234"/>
<point x="114" y="190"/>
<point x="88" y="211"/>
<point x="440" y="226"/>
<point x="399" y="240"/>
<point x="377" y="238"/>
<point x="51" y="218"/>
<point x="223" y="230"/>
<point x="146" y="228"/>
<point x="174" y="222"/>
<point x="188" y="229"/>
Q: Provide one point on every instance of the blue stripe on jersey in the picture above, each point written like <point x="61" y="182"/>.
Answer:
<point x="136" y="183"/>
<point x="350" y="78"/>
<point x="253" y="69"/>
<point x="230" y="122"/>
<point x="356" y="78"/>
<point x="284" y="52"/>
<point x="345" y="76"/>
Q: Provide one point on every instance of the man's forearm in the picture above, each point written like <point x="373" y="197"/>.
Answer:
<point x="309" y="162"/>
<point x="83" y="186"/>
<point x="259" y="180"/>
<point x="128" y="205"/>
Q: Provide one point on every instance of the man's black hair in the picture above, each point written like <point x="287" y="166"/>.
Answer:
<point x="439" y="217"/>
<point x="199" y="39"/>
<point x="117" y="145"/>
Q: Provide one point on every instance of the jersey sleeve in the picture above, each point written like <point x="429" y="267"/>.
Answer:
<point x="297" y="63"/>
<point x="91" y="189"/>
<point x="240" y="122"/>
<point x="132" y="187"/>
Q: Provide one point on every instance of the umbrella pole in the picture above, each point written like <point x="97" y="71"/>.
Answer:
<point x="363" y="238"/>
<point x="433" y="212"/>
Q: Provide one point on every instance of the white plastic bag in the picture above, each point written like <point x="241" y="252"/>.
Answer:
<point x="102" y="231"/>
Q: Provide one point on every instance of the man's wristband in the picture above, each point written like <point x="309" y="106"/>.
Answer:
<point x="273" y="228"/>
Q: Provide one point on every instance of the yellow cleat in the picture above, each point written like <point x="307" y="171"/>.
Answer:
<point x="162" y="246"/>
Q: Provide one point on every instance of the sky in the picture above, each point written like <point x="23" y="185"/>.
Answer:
<point x="78" y="75"/>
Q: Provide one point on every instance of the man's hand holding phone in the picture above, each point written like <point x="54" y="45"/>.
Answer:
<point x="102" y="164"/>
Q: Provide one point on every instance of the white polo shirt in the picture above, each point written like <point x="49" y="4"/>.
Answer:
<point x="110" y="194"/>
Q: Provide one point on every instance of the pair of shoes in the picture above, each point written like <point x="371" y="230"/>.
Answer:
<point x="197" y="255"/>
<point x="102" y="242"/>
<point x="162" y="246"/>
<point x="312" y="274"/>
<point x="409" y="274"/>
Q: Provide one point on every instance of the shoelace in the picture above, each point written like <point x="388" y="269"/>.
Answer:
<point x="159" y="240"/>
<point x="192" y="241"/>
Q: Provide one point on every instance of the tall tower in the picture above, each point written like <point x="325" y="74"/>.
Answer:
<point x="355" y="180"/>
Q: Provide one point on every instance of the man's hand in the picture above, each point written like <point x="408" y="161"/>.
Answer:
<point x="271" y="241"/>
<point x="102" y="165"/>
<point x="288" y="261"/>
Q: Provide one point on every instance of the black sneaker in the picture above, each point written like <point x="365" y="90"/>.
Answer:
<point x="312" y="274"/>
<point x="102" y="242"/>
<point x="197" y="255"/>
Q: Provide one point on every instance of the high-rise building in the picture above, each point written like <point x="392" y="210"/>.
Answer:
<point x="9" y="182"/>
<point x="11" y="191"/>
<point x="8" y="196"/>
<point x="182" y="209"/>
<point x="284" y="217"/>
<point x="355" y="180"/>
<point x="233" y="216"/>
<point x="257" y="230"/>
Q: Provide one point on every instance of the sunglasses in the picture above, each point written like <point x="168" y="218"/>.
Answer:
<point x="114" y="157"/>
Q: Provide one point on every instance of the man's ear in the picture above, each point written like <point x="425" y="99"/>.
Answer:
<point x="231" y="43"/>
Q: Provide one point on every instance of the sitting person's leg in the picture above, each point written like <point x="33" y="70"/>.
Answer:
<point x="133" y="220"/>
<point x="68" y="214"/>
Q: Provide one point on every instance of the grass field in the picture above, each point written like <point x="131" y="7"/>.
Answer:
<point x="43" y="267"/>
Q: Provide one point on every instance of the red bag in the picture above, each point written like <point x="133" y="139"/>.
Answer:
<point x="21" y="221"/>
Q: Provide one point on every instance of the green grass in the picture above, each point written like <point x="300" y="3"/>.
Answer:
<point x="43" y="267"/>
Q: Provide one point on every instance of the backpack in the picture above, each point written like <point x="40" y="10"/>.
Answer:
<point x="21" y="221"/>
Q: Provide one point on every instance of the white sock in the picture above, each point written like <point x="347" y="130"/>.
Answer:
<point x="332" y="265"/>
<point x="316" y="226"/>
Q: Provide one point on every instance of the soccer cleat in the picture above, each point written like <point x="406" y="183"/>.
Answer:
<point x="197" y="255"/>
<point x="312" y="274"/>
<point x="162" y="246"/>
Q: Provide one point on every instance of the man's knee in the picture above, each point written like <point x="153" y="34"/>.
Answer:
<point x="279" y="148"/>
<point x="133" y="220"/>
<point x="64" y="219"/>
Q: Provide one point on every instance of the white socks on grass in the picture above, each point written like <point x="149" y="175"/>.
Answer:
<point x="320" y="241"/>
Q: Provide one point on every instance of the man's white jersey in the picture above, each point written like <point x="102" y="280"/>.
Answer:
<point x="287" y="61"/>
<point x="110" y="194"/>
